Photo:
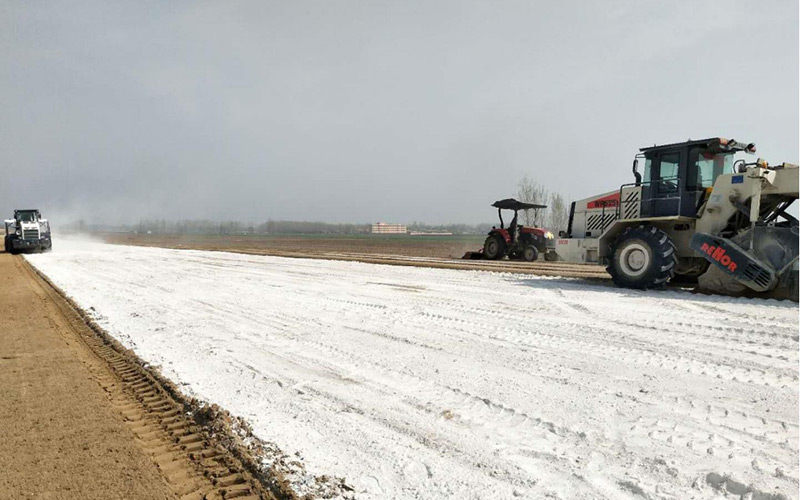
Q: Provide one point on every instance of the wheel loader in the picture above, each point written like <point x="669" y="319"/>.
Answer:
<point x="27" y="232"/>
<point x="695" y="214"/>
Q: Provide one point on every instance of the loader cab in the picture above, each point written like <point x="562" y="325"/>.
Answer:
<point x="677" y="177"/>
<point x="27" y="215"/>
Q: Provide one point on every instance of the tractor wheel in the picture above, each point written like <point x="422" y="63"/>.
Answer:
<point x="494" y="247"/>
<point x="530" y="253"/>
<point x="7" y="241"/>
<point x="643" y="257"/>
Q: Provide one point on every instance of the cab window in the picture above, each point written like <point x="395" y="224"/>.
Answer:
<point x="665" y="178"/>
<point x="705" y="167"/>
<point x="662" y="171"/>
<point x="668" y="166"/>
<point x="648" y="169"/>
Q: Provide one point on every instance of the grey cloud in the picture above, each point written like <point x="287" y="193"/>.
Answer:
<point x="358" y="111"/>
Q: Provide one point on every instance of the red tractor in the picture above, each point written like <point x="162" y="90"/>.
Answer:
<point x="517" y="241"/>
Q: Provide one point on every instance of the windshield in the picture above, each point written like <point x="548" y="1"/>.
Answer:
<point x="705" y="167"/>
<point x="27" y="216"/>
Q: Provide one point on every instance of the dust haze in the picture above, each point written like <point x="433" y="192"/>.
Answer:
<point x="365" y="111"/>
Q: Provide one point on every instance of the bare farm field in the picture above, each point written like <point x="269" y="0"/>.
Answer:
<point x="443" y="252"/>
<point x="406" y="245"/>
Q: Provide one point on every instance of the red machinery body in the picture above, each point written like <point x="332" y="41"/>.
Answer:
<point x="533" y="231"/>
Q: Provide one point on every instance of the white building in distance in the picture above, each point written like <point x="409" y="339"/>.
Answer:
<point x="384" y="228"/>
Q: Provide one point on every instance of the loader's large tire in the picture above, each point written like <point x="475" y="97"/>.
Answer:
<point x="7" y="243"/>
<point x="494" y="247"/>
<point x="643" y="257"/>
<point x="10" y="244"/>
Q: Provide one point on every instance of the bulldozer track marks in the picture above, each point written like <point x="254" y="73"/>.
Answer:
<point x="193" y="460"/>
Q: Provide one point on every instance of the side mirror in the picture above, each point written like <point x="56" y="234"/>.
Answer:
<point x="636" y="172"/>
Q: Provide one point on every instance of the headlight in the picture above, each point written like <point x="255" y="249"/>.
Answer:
<point x="19" y="232"/>
<point x="549" y="235"/>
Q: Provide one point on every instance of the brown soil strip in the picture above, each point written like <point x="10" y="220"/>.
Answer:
<point x="447" y="247"/>
<point x="392" y="251"/>
<point x="83" y="417"/>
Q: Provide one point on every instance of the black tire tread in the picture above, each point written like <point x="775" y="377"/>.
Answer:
<point x="664" y="255"/>
<point x="502" y="247"/>
<point x="535" y="253"/>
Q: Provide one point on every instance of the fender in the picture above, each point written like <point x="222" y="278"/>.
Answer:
<point x="503" y="233"/>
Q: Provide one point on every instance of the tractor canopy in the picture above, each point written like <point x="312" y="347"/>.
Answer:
<point x="512" y="204"/>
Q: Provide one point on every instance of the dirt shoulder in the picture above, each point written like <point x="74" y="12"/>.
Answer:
<point x="82" y="418"/>
<point x="60" y="435"/>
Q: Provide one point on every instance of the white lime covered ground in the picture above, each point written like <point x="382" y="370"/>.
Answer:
<point x="438" y="384"/>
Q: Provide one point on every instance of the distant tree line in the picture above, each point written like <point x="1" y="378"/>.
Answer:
<point x="300" y="227"/>
<point x="209" y="227"/>
<point x="236" y="227"/>
<point x="450" y="228"/>
<point x="554" y="218"/>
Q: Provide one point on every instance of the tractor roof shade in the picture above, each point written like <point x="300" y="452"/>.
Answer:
<point x="714" y="144"/>
<point x="512" y="204"/>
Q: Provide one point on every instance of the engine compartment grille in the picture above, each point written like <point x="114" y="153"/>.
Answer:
<point x="30" y="234"/>
<point x="757" y="274"/>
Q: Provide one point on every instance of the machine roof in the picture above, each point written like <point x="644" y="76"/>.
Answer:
<point x="718" y="143"/>
<point x="512" y="204"/>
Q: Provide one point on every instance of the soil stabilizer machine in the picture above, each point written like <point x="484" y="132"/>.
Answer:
<point x="694" y="215"/>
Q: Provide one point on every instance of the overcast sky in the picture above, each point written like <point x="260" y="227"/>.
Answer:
<point x="371" y="110"/>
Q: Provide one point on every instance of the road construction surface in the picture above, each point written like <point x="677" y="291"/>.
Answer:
<point x="430" y="383"/>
